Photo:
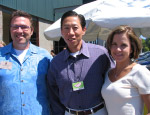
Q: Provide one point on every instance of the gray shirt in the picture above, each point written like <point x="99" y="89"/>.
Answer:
<point x="89" y="66"/>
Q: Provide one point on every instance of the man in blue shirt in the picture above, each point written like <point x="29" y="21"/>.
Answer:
<point x="23" y="67"/>
<point x="76" y="74"/>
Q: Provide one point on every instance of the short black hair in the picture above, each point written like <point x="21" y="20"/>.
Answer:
<point x="53" y="51"/>
<point x="73" y="13"/>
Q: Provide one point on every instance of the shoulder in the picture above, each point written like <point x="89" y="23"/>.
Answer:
<point x="60" y="56"/>
<point x="141" y="78"/>
<point x="140" y="73"/>
<point x="100" y="52"/>
<point x="97" y="48"/>
<point x="6" y="49"/>
<point x="40" y="51"/>
<point x="140" y="69"/>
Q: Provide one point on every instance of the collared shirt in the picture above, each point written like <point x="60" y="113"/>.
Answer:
<point x="89" y="66"/>
<point x="22" y="86"/>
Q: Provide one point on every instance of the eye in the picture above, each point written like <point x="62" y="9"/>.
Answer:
<point x="113" y="45"/>
<point x="75" y="27"/>
<point x="24" y="27"/>
<point x="124" y="45"/>
<point x="66" y="28"/>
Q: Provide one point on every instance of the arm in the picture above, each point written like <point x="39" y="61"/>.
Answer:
<point x="146" y="99"/>
<point x="56" y="107"/>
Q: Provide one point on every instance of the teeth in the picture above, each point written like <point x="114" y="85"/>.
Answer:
<point x="70" y="39"/>
<point x="19" y="35"/>
<point x="118" y="54"/>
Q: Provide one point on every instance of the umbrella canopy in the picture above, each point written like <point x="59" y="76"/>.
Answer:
<point x="103" y="15"/>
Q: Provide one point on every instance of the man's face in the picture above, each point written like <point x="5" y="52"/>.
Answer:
<point x="72" y="31"/>
<point x="21" y="32"/>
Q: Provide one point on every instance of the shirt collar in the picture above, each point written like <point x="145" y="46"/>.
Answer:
<point x="9" y="49"/>
<point x="84" y="50"/>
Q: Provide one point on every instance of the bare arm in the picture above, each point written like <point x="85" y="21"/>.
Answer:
<point x="146" y="99"/>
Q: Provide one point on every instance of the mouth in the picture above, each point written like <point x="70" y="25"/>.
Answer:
<point x="20" y="36"/>
<point x="118" y="54"/>
<point x="71" y="39"/>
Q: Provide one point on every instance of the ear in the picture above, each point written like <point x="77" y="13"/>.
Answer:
<point x="84" y="30"/>
<point x="32" y="30"/>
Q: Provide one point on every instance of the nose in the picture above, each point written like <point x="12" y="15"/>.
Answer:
<point x="118" y="48"/>
<point x="71" y="31"/>
<point x="19" y="29"/>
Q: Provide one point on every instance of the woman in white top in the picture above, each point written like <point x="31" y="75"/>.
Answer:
<point x="127" y="86"/>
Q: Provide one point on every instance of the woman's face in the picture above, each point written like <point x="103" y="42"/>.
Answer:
<point x="121" y="48"/>
<point x="1" y="45"/>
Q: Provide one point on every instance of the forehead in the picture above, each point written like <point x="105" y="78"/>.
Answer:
<point x="20" y="19"/>
<point x="71" y="20"/>
<point x="121" y="37"/>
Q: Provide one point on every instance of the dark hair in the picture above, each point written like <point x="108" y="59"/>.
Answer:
<point x="52" y="51"/>
<point x="20" y="13"/>
<point x="134" y="40"/>
<point x="73" y="13"/>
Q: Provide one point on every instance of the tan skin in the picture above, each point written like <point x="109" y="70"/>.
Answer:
<point x="120" y="51"/>
<point x="20" y="37"/>
<point x="1" y="45"/>
<point x="72" y="33"/>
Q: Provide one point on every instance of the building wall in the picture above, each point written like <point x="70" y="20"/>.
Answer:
<point x="1" y="24"/>
<point x="6" y="34"/>
<point x="39" y="8"/>
<point x="44" y="43"/>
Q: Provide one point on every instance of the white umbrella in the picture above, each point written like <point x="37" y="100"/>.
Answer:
<point x="103" y="15"/>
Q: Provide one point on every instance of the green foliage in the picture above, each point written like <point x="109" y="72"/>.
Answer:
<point x="146" y="45"/>
<point x="145" y="110"/>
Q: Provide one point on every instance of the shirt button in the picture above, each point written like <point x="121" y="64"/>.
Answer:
<point x="21" y="69"/>
<point x="22" y="93"/>
<point x="22" y="81"/>
<point x="23" y="104"/>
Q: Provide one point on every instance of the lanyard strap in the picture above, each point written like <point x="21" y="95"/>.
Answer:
<point x="70" y="76"/>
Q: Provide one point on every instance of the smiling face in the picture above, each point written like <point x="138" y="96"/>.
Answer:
<point x="21" y="32"/>
<point x="121" y="48"/>
<point x="72" y="33"/>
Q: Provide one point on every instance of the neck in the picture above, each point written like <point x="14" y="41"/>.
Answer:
<point x="21" y="46"/>
<point x="121" y="67"/>
<point x="76" y="48"/>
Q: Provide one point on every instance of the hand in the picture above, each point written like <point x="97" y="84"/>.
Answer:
<point x="148" y="114"/>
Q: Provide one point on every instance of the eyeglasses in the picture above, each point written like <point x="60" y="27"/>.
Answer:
<point x="23" y="27"/>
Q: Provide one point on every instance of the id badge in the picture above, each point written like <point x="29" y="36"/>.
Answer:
<point x="78" y="86"/>
<point x="6" y="65"/>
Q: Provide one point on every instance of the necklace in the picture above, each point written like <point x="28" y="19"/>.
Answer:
<point x="116" y="73"/>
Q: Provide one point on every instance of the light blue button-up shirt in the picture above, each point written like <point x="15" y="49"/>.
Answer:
<point x="23" y="87"/>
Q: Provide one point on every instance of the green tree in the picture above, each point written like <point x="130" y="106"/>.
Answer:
<point x="146" y="45"/>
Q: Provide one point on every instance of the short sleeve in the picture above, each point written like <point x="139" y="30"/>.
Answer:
<point x="141" y="80"/>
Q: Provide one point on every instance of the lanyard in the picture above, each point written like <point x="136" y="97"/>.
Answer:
<point x="70" y="76"/>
